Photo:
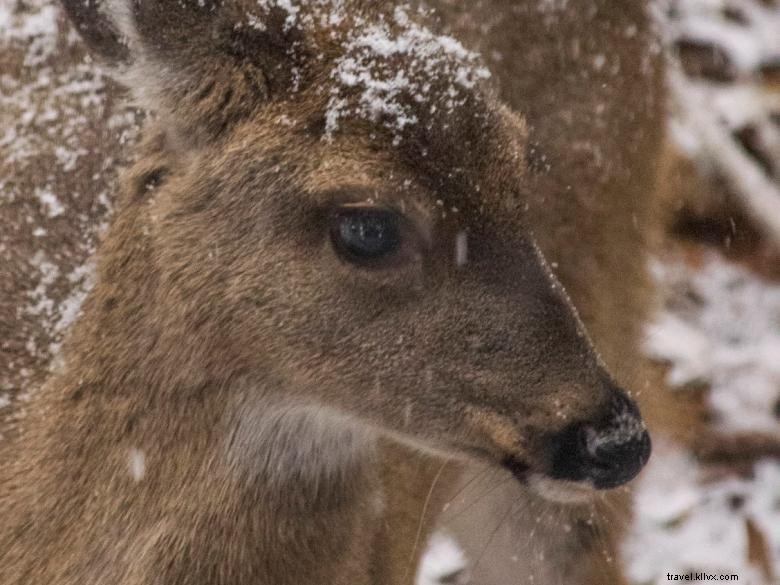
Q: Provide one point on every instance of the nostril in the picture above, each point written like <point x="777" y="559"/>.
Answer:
<point x="607" y="457"/>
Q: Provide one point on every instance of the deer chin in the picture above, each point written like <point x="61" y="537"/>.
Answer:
<point x="554" y="490"/>
<point x="561" y="491"/>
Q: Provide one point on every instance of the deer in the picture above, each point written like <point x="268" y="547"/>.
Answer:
<point x="352" y="262"/>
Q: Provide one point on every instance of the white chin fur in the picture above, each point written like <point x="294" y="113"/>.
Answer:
<point x="559" y="491"/>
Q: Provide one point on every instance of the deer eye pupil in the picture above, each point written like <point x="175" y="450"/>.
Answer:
<point x="366" y="235"/>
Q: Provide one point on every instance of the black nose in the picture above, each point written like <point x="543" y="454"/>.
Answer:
<point x="608" y="454"/>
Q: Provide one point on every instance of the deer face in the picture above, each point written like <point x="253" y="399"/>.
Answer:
<point x="342" y="213"/>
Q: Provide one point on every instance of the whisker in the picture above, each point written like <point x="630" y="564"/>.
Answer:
<point x="420" y="524"/>
<point x="481" y="497"/>
<point x="477" y="477"/>
<point x="507" y="514"/>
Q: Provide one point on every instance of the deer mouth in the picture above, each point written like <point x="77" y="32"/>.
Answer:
<point x="561" y="491"/>
<point x="517" y="467"/>
<point x="580" y="483"/>
<point x="553" y="490"/>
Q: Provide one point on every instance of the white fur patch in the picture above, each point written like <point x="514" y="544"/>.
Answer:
<point x="305" y="443"/>
<point x="561" y="492"/>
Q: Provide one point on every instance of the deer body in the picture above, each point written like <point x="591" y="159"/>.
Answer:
<point x="311" y="276"/>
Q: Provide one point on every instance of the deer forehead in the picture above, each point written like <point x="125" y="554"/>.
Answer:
<point x="378" y="98"/>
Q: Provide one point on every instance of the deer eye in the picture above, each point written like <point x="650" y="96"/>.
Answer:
<point x="366" y="235"/>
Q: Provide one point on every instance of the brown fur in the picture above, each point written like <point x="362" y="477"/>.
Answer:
<point x="254" y="370"/>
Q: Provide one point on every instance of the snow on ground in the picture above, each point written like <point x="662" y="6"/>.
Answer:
<point x="722" y="329"/>
<point x="726" y="109"/>
<point x="56" y="181"/>
<point x="687" y="523"/>
<point x="746" y="29"/>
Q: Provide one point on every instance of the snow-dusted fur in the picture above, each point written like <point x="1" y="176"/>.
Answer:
<point x="238" y="404"/>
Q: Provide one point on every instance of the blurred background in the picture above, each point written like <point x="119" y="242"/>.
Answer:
<point x="710" y="499"/>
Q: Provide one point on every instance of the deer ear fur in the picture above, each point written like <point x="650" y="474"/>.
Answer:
<point x="199" y="64"/>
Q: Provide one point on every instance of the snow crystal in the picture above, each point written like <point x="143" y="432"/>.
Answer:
<point x="548" y="6"/>
<point x="314" y="13"/>
<point x="136" y="464"/>
<point x="461" y="249"/>
<point x="286" y="5"/>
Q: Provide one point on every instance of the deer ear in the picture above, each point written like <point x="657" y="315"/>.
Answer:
<point x="201" y="65"/>
<point x="98" y="31"/>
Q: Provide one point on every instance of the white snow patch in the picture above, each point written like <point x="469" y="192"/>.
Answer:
<point x="320" y="13"/>
<point x="51" y="203"/>
<point x="684" y="523"/>
<point x="626" y="427"/>
<point x="747" y="44"/>
<point x="723" y="329"/>
<point x="82" y="279"/>
<point x="442" y="558"/>
<point x="395" y="65"/>
<point x="388" y="62"/>
<point x="38" y="27"/>
<point x="57" y="317"/>
<point x="705" y="114"/>
<point x="49" y="272"/>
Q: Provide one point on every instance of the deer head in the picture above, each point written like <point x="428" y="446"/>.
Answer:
<point x="331" y="214"/>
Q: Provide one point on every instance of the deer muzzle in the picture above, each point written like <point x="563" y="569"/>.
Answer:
<point x="606" y="452"/>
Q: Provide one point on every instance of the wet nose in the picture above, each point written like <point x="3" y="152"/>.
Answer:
<point x="613" y="459"/>
<point x="607" y="454"/>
